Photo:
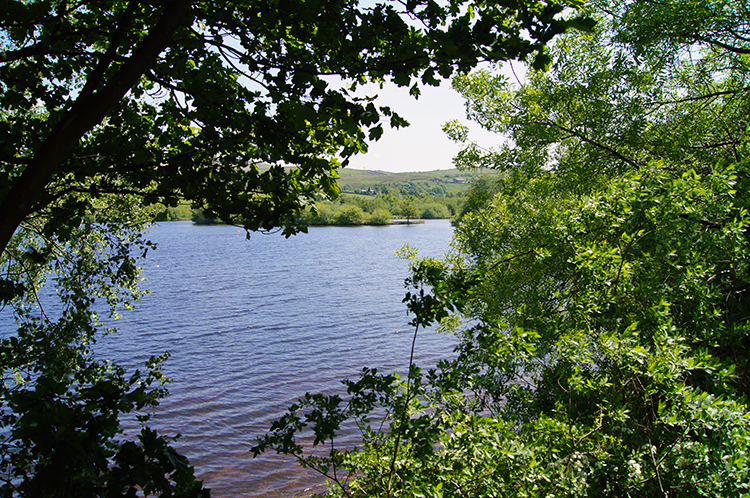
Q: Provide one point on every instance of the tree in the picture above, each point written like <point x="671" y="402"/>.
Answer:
<point x="435" y="210"/>
<point x="605" y="283"/>
<point x="350" y="214"/>
<point x="191" y="99"/>
<point x="380" y="216"/>
<point x="408" y="208"/>
<point x="608" y="273"/>
<point x="243" y="109"/>
<point x="632" y="104"/>
<point x="61" y="407"/>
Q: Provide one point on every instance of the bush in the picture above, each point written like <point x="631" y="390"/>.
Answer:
<point x="175" y="213"/>
<point x="435" y="211"/>
<point x="350" y="215"/>
<point x="380" y="217"/>
<point x="200" y="218"/>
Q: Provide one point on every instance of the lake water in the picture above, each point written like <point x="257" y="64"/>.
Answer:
<point x="253" y="324"/>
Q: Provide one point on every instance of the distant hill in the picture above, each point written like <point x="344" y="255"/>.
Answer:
<point x="451" y="181"/>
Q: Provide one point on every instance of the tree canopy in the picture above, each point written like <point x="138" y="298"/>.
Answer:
<point x="190" y="99"/>
<point x="599" y="290"/>
<point x="244" y="109"/>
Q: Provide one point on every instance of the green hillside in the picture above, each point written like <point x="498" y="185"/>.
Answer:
<point x="438" y="182"/>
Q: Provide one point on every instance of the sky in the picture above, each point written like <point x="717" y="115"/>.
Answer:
<point x="422" y="146"/>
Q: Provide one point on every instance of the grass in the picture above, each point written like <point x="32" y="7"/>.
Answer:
<point x="357" y="180"/>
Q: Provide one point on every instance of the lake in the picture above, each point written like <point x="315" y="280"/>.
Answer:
<point x="253" y="324"/>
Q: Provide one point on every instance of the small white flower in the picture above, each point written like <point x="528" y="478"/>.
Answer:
<point x="634" y="469"/>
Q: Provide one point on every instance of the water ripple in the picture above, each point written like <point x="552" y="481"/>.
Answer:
<point x="253" y="325"/>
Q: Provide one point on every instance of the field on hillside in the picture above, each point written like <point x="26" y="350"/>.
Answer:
<point x="439" y="182"/>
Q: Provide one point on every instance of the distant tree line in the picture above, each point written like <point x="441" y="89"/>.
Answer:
<point x="351" y="209"/>
<point x="381" y="209"/>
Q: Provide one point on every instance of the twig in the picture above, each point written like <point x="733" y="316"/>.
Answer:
<point x="404" y="414"/>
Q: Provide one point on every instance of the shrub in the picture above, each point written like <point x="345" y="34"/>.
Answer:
<point x="350" y="215"/>
<point x="380" y="217"/>
<point x="435" y="211"/>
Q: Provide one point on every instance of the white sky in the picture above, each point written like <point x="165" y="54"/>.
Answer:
<point x="422" y="146"/>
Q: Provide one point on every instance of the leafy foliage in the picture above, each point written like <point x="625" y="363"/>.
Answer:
<point x="62" y="409"/>
<point x="380" y="209"/>
<point x="209" y="101"/>
<point x="600" y="291"/>
<point x="243" y="109"/>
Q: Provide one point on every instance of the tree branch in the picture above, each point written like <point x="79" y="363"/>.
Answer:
<point x="701" y="97"/>
<point x="86" y="113"/>
<point x="95" y="78"/>
<point x="591" y="141"/>
<point x="22" y="53"/>
<point x="725" y="46"/>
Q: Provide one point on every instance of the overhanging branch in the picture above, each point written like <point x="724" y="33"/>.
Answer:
<point x="87" y="112"/>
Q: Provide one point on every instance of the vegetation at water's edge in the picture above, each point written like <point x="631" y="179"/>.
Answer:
<point x="374" y="198"/>
<point x="350" y="210"/>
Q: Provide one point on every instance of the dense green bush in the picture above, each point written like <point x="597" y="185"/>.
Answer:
<point x="350" y="215"/>
<point x="200" y="218"/>
<point x="380" y="217"/>
<point x="174" y="213"/>
<point x="435" y="211"/>
<point x="600" y="290"/>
